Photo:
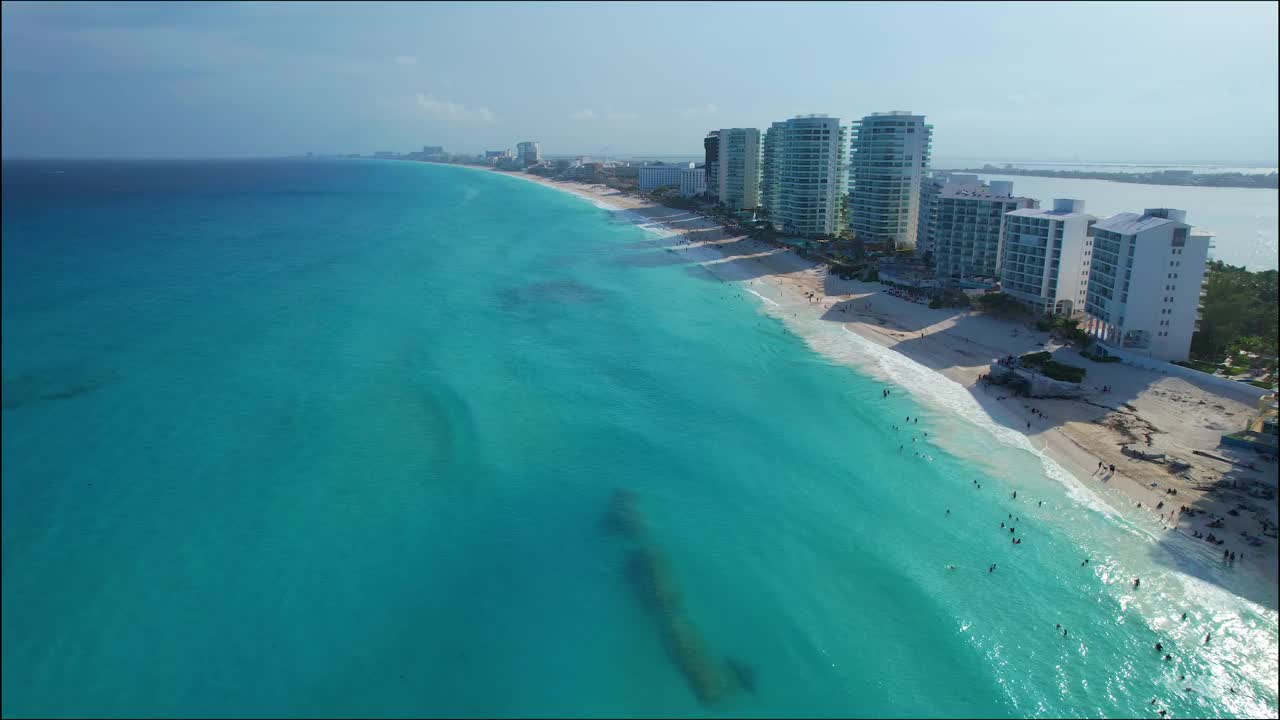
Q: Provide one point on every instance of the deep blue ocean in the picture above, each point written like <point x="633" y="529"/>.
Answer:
<point x="338" y="438"/>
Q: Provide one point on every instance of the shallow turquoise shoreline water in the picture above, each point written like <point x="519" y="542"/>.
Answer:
<point x="339" y="438"/>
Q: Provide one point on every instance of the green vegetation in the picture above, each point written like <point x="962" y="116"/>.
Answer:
<point x="1200" y="365"/>
<point x="1069" y="330"/>
<point x="1263" y="384"/>
<point x="1241" y="312"/>
<point x="1100" y="358"/>
<point x="1000" y="304"/>
<point x="1052" y="368"/>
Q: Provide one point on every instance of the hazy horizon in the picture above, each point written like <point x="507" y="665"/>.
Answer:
<point x="1128" y="83"/>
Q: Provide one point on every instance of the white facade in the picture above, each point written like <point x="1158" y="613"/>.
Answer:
<point x="655" y="176"/>
<point x="693" y="181"/>
<point x="1045" y="257"/>
<point x="1145" y="282"/>
<point x="528" y="152"/>
<point x="966" y="232"/>
<point x="889" y="152"/>
<point x="739" y="174"/>
<point x="808" y="176"/>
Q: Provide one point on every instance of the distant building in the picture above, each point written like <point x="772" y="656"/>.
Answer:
<point x="967" y="232"/>
<point x="693" y="181"/>
<point x="890" y="152"/>
<point x="655" y="176"/>
<point x="493" y="156"/>
<point x="528" y="153"/>
<point x="771" y="149"/>
<point x="386" y="154"/>
<point x="432" y="150"/>
<point x="1145" y="282"/>
<point x="809" y="176"/>
<point x="739" y="172"/>
<point x="711" y="156"/>
<point x="1045" y="257"/>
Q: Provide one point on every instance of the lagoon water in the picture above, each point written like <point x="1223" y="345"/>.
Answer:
<point x="339" y="438"/>
<point x="1246" y="221"/>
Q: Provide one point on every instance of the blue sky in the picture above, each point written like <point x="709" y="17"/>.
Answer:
<point x="1123" y="82"/>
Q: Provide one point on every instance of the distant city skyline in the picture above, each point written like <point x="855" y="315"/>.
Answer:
<point x="1140" y="83"/>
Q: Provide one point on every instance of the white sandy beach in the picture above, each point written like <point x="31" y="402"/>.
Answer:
<point x="1175" y="415"/>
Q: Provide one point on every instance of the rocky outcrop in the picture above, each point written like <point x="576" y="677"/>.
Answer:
<point x="1030" y="383"/>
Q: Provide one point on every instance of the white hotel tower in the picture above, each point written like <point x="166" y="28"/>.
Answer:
<point x="1145" y="282"/>
<point x="808" y="176"/>
<point x="890" y="152"/>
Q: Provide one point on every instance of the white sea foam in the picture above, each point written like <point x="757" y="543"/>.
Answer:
<point x="771" y="302"/>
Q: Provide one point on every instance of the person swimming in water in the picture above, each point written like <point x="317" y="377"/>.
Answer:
<point x="1137" y="582"/>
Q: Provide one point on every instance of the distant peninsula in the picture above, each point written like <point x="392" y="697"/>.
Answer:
<point x="1162" y="177"/>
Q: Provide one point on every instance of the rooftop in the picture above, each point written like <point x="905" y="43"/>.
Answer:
<point x="1048" y="214"/>
<point x="975" y="192"/>
<point x="1133" y="223"/>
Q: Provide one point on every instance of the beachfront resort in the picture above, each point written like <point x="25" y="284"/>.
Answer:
<point x="1076" y="328"/>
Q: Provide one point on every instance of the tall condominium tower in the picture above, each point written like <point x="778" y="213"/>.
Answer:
<point x="771" y="149"/>
<point x="711" y="153"/>
<point x="740" y="168"/>
<point x="809" y="176"/>
<point x="890" y="152"/>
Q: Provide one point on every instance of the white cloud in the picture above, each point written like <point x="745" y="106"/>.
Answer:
<point x="453" y="112"/>
<point x="699" y="111"/>
<point x="406" y="60"/>
<point x="583" y="115"/>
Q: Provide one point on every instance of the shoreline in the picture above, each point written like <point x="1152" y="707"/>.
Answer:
<point x="1174" y="415"/>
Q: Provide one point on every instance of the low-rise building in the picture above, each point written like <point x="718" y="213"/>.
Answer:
<point x="693" y="181"/>
<point x="1145" y="282"/>
<point x="1045" y="257"/>
<point x="661" y="175"/>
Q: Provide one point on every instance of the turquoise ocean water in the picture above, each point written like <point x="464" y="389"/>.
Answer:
<point x="340" y="438"/>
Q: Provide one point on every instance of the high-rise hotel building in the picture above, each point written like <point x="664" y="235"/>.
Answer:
<point x="890" y="153"/>
<point x="806" y="190"/>
<point x="1145" y="282"/>
<point x="739" y="172"/>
